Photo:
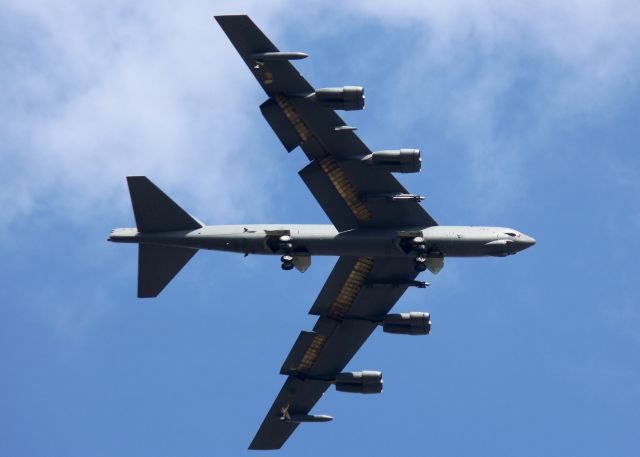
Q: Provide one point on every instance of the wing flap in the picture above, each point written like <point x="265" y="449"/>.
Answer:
<point x="328" y="197"/>
<point x="341" y="345"/>
<point x="333" y="286"/>
<point x="354" y="194"/>
<point x="279" y="123"/>
<point x="363" y="287"/>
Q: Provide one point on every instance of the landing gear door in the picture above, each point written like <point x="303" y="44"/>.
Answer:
<point x="301" y="262"/>
<point x="272" y="240"/>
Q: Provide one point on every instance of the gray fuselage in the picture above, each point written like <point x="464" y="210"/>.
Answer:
<point x="440" y="241"/>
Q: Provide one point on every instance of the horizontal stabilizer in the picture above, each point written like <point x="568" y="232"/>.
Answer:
<point x="154" y="210"/>
<point x="157" y="265"/>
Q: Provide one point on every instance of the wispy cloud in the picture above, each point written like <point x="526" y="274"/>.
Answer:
<point x="96" y="91"/>
<point x="498" y="78"/>
<point x="74" y="316"/>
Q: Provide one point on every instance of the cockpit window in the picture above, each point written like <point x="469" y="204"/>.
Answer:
<point x="511" y="234"/>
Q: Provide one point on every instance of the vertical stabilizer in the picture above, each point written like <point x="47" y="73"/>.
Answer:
<point x="154" y="210"/>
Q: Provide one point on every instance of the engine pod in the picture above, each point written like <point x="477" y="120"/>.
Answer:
<point x="415" y="323"/>
<point x="348" y="98"/>
<point x="396" y="161"/>
<point x="362" y="382"/>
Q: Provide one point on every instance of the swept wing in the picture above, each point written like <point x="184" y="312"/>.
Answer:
<point x="351" y="192"/>
<point x="360" y="291"/>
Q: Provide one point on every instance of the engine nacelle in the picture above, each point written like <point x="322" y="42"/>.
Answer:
<point x="416" y="323"/>
<point x="346" y="98"/>
<point x="362" y="382"/>
<point x="398" y="161"/>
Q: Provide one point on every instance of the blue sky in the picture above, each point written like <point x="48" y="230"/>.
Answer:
<point x="527" y="117"/>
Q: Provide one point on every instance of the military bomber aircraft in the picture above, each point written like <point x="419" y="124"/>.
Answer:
<point x="380" y="232"/>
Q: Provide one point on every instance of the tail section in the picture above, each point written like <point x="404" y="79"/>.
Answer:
<point x="155" y="212"/>
<point x="157" y="266"/>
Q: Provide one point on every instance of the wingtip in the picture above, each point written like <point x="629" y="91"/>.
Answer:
<point x="262" y="448"/>
<point x="260" y="445"/>
<point x="222" y="17"/>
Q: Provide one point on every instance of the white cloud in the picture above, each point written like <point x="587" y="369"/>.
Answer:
<point x="504" y="78"/>
<point x="73" y="315"/>
<point x="94" y="91"/>
<point x="597" y="33"/>
<point x="98" y="91"/>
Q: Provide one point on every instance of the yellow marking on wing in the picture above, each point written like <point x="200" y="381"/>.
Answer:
<point x="351" y="288"/>
<point x="344" y="187"/>
<point x="303" y="132"/>
<point x="312" y="353"/>
<point x="331" y="168"/>
<point x="339" y="309"/>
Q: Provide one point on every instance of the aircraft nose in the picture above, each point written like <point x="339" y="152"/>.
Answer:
<point x="526" y="241"/>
